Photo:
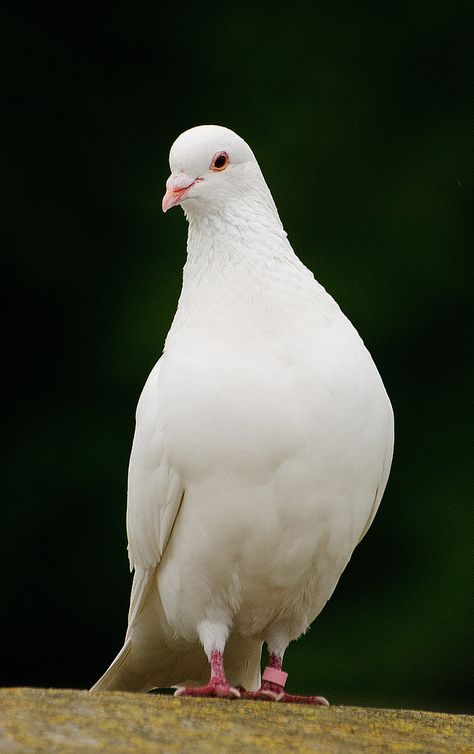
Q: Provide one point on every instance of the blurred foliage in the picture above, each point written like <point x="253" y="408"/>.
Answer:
<point x="360" y="117"/>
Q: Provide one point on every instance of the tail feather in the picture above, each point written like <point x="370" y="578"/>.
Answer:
<point x="117" y="676"/>
<point x="151" y="657"/>
<point x="190" y="667"/>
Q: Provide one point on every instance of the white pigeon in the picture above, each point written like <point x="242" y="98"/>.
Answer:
<point x="263" y="443"/>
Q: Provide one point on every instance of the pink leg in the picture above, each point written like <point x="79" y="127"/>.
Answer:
<point x="272" y="687"/>
<point x="217" y="685"/>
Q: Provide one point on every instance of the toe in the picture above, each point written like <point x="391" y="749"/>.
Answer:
<point x="296" y="699"/>
<point x="221" y="691"/>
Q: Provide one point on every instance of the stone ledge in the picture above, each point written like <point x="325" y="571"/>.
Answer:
<point x="61" y="720"/>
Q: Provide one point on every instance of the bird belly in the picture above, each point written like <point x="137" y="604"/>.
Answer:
<point x="249" y="558"/>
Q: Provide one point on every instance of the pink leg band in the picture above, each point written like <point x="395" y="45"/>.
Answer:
<point x="275" y="676"/>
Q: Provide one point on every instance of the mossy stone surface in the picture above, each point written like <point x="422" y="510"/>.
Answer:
<point x="61" y="720"/>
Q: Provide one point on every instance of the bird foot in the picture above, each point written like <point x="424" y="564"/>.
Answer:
<point x="224" y="691"/>
<point x="272" y="688"/>
<point x="268" y="695"/>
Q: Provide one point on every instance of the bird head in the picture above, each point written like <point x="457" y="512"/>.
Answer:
<point x="210" y="167"/>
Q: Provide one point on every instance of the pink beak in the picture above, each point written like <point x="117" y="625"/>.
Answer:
<point x="177" y="186"/>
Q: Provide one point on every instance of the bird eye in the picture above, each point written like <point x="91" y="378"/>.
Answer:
<point x="220" y="162"/>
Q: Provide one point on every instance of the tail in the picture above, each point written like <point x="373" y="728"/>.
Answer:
<point x="118" y="676"/>
<point x="187" y="668"/>
<point x="148" y="658"/>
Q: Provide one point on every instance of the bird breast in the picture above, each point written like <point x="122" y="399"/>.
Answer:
<point x="231" y="400"/>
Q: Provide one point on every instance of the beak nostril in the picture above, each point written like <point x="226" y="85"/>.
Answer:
<point x="179" y="181"/>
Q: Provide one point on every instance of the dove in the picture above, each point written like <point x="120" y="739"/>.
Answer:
<point x="263" y="444"/>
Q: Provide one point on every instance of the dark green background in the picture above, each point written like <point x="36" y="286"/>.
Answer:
<point x="361" y="118"/>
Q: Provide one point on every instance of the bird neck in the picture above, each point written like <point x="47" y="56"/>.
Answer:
<point x="241" y="276"/>
<point x="244" y="235"/>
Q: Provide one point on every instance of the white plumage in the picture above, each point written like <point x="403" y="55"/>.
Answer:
<point x="263" y="440"/>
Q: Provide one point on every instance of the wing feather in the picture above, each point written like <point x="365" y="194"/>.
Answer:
<point x="155" y="489"/>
